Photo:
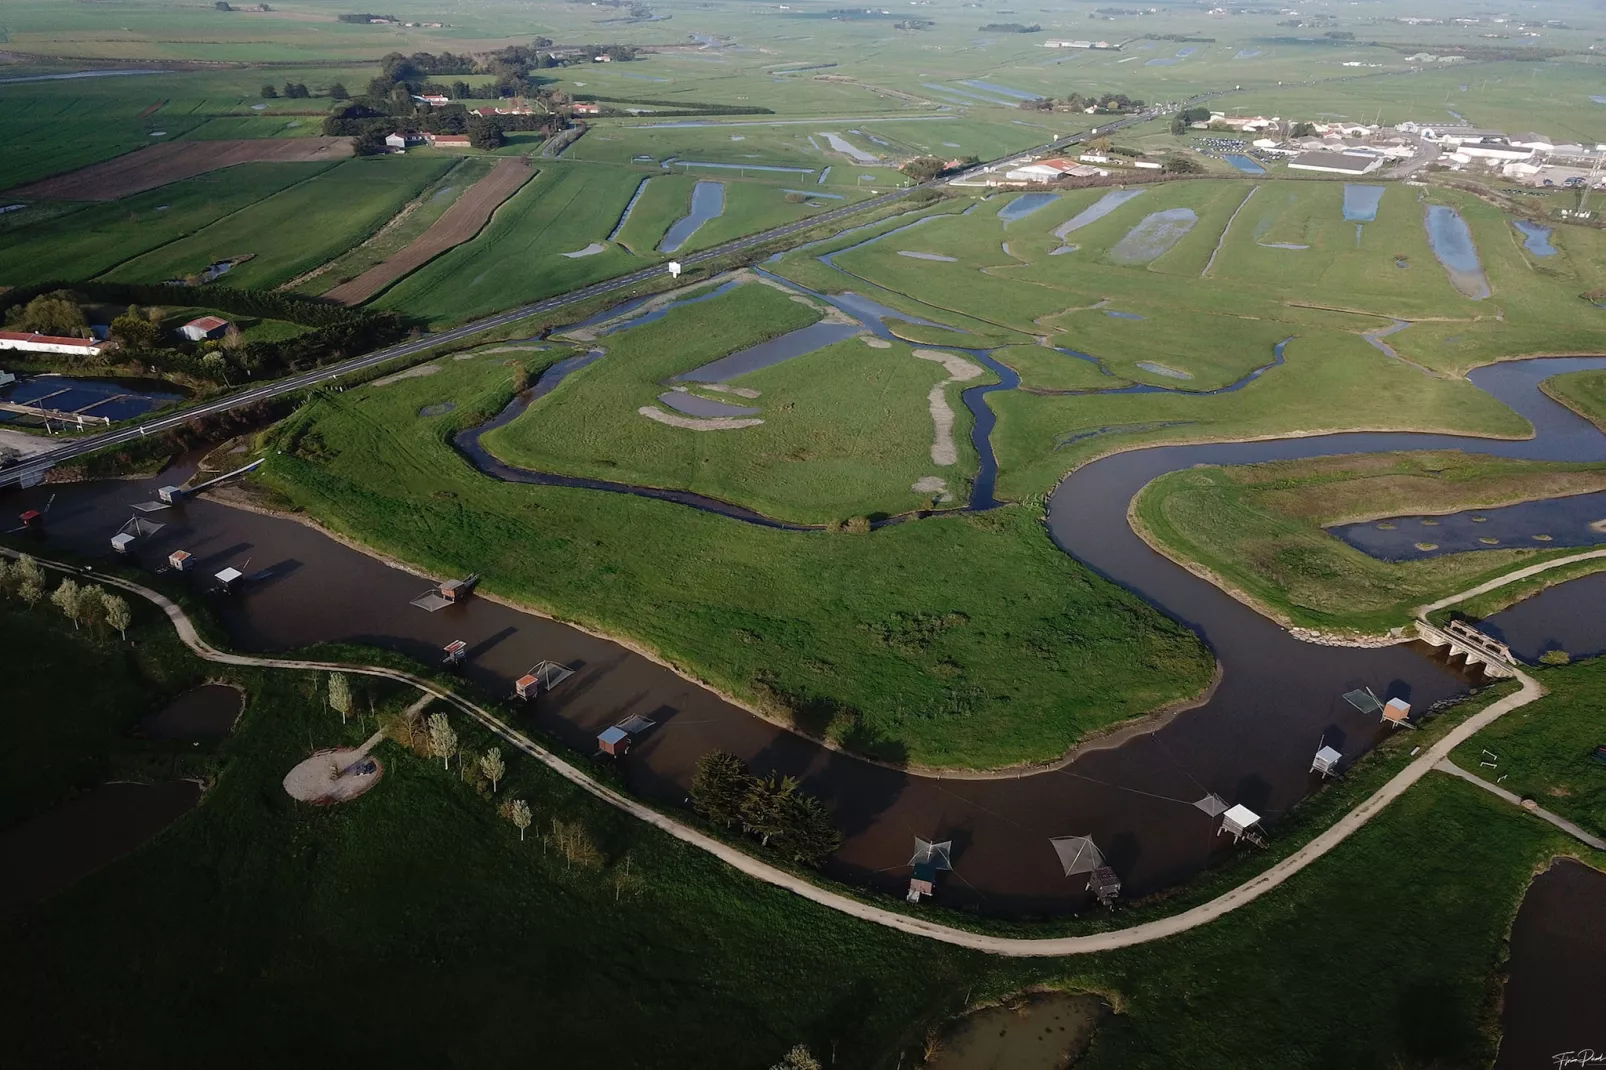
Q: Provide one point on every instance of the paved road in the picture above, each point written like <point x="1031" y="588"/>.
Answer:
<point x="35" y="466"/>
<point x="756" y="868"/>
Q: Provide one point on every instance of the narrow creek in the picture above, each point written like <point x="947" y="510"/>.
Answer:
<point x="1251" y="742"/>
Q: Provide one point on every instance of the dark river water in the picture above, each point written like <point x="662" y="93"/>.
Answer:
<point x="1554" y="1004"/>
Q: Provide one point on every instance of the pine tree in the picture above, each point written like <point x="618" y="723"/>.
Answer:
<point x="718" y="786"/>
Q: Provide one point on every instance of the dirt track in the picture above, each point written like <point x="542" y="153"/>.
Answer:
<point x="170" y="161"/>
<point x="456" y="225"/>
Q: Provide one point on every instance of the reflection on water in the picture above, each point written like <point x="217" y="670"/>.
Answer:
<point x="1025" y="205"/>
<point x="1361" y="202"/>
<point x="110" y="398"/>
<point x="1153" y="237"/>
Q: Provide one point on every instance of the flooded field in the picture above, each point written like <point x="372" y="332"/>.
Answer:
<point x="1553" y="1006"/>
<point x="1025" y="205"/>
<point x="707" y="202"/>
<point x="1452" y="243"/>
<point x="1361" y="202"/>
<point x="1096" y="211"/>
<point x="1153" y="237"/>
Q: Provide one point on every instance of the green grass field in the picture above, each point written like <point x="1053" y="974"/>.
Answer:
<point x="784" y="618"/>
<point x="1582" y="392"/>
<point x="518" y="256"/>
<point x="1259" y="528"/>
<point x="95" y="238"/>
<point x="846" y="430"/>
<point x="1545" y="749"/>
<point x="296" y="229"/>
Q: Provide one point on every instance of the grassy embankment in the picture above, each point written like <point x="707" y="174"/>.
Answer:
<point x="869" y="639"/>
<point x="297" y="229"/>
<point x="1544" y="750"/>
<point x="846" y="429"/>
<point x="419" y="895"/>
<point x="1258" y="529"/>
<point x="1582" y="392"/>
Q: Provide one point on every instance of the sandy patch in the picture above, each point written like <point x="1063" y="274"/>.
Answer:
<point x="943" y="451"/>
<point x="933" y="486"/>
<point x="723" y="388"/>
<point x="959" y="369"/>
<point x="876" y="343"/>
<point x="25" y="444"/>
<point x="591" y="250"/>
<point x="722" y="423"/>
<point x="336" y="775"/>
<point x="417" y="371"/>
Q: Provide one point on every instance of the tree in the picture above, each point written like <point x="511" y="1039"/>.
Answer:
<point x="574" y="840"/>
<point x="486" y="133"/>
<point x="442" y="740"/>
<point x="269" y="93"/>
<point x="117" y="613"/>
<point x="718" y="785"/>
<point x="519" y="814"/>
<point x="6" y="576"/>
<point x="923" y="168"/>
<point x="66" y="598"/>
<point x="1302" y="130"/>
<point x="1100" y="144"/>
<point x="338" y="91"/>
<point x="223" y="5"/>
<point x="340" y="694"/>
<point x="55" y="313"/>
<point x="799" y="1058"/>
<point x="492" y="765"/>
<point x="810" y="835"/>
<point x="133" y="331"/>
<point x="766" y="807"/>
<point x="1181" y="165"/>
<point x="30" y="590"/>
<point x="91" y="605"/>
<point x="461" y="91"/>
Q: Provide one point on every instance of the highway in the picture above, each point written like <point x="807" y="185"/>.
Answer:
<point x="29" y="468"/>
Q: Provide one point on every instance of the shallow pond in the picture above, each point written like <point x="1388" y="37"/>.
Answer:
<point x="847" y="148"/>
<point x="1536" y="239"/>
<point x="1025" y="205"/>
<point x="1153" y="237"/>
<point x="692" y="405"/>
<point x="1361" y="202"/>
<point x="707" y="202"/>
<point x="1566" y="522"/>
<point x="48" y="853"/>
<point x="913" y="255"/>
<point x="747" y="167"/>
<point x="1244" y="163"/>
<point x="789" y="345"/>
<point x="1452" y="243"/>
<point x="1566" y="617"/>
<point x="1042" y="1032"/>
<point x="206" y="712"/>
<point x="1002" y="90"/>
<point x="1553" y="995"/>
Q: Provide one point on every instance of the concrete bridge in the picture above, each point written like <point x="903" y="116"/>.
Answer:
<point x="1477" y="647"/>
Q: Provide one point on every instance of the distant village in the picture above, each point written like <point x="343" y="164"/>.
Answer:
<point x="1253" y="142"/>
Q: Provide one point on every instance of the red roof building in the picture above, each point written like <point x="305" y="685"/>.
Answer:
<point x="51" y="343"/>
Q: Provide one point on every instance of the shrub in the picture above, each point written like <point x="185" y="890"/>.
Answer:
<point x="859" y="525"/>
<point x="1555" y="657"/>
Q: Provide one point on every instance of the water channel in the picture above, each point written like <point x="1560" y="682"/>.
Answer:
<point x="1250" y="741"/>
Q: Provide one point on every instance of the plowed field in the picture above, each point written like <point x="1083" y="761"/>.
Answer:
<point x="171" y="161"/>
<point x="456" y="225"/>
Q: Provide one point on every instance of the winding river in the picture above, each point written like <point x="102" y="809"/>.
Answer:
<point x="1250" y="742"/>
